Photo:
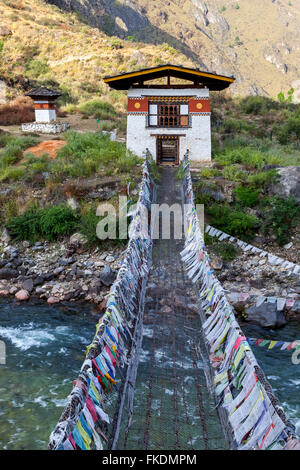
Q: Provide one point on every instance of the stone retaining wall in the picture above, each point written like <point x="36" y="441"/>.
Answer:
<point x="45" y="127"/>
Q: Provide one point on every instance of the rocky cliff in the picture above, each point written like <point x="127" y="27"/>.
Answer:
<point x="256" y="40"/>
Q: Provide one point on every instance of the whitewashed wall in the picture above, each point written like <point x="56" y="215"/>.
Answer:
<point x="197" y="139"/>
<point x="45" y="115"/>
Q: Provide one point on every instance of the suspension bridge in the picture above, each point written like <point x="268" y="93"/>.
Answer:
<point x="169" y="367"/>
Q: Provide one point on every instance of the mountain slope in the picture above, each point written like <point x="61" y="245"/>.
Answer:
<point x="41" y="44"/>
<point x="255" y="40"/>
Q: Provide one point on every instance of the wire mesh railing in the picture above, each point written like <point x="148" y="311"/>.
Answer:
<point x="251" y="416"/>
<point x="92" y="417"/>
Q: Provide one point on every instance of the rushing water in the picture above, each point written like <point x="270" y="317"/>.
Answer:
<point x="44" y="351"/>
<point x="283" y="375"/>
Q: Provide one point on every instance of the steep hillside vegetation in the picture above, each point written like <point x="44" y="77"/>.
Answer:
<point x="78" y="43"/>
<point x="257" y="41"/>
<point x="40" y="44"/>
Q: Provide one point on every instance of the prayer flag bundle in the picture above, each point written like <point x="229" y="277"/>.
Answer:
<point x="83" y="423"/>
<point x="254" y="415"/>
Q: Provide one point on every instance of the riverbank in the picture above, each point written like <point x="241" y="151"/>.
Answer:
<point x="56" y="272"/>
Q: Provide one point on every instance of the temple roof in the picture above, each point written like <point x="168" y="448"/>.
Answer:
<point x="128" y="79"/>
<point x="44" y="92"/>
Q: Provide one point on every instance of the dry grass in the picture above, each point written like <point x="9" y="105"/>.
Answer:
<point x="19" y="110"/>
<point x="53" y="47"/>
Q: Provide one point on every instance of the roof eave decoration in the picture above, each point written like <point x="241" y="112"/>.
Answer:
<point x="125" y="80"/>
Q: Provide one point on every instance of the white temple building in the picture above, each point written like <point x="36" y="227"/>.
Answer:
<point x="169" y="118"/>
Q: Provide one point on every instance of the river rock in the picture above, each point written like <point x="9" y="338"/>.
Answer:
<point x="296" y="307"/>
<point x="216" y="263"/>
<point x="78" y="238"/>
<point x="5" y="237"/>
<point x="28" y="285"/>
<point x="7" y="273"/>
<point x="22" y="295"/>
<point x="266" y="315"/>
<point x="62" y="262"/>
<point x="58" y="271"/>
<point x="4" y="293"/>
<point x="53" y="300"/>
<point x="39" y="280"/>
<point x="107" y="276"/>
<point x="17" y="262"/>
<point x="99" y="264"/>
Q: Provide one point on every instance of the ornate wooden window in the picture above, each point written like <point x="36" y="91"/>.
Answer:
<point x="168" y="115"/>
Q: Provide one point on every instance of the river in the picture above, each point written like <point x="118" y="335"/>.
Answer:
<point x="45" y="349"/>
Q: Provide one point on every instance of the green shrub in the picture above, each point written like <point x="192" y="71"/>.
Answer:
<point x="208" y="239"/>
<point x="13" y="173"/>
<point x="26" y="226"/>
<point x="13" y="150"/>
<point x="226" y="251"/>
<point x="290" y="130"/>
<point x="234" y="173"/>
<point x="58" y="221"/>
<point x="246" y="196"/>
<point x="87" y="226"/>
<point x="248" y="156"/>
<point x="1" y="45"/>
<point x="263" y="179"/>
<point x="50" y="223"/>
<point x="254" y="105"/>
<point x="236" y="223"/>
<point x="180" y="172"/>
<point x="203" y="198"/>
<point x="107" y="126"/>
<point x="98" y="109"/>
<point x="87" y="153"/>
<point x="35" y="68"/>
<point x="236" y="125"/>
<point x="37" y="165"/>
<point x="155" y="171"/>
<point x="282" y="217"/>
<point x="208" y="173"/>
<point x="116" y="43"/>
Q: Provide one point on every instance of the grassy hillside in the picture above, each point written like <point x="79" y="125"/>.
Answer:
<point x="47" y="46"/>
<point x="255" y="40"/>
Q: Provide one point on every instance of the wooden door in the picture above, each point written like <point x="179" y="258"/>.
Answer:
<point x="167" y="150"/>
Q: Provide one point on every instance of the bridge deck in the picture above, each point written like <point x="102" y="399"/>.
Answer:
<point x="172" y="406"/>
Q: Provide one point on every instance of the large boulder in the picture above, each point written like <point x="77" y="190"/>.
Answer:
<point x="107" y="276"/>
<point x="266" y="315"/>
<point x="289" y="182"/>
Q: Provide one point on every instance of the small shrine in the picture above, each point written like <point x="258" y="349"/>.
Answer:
<point x="45" y="112"/>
